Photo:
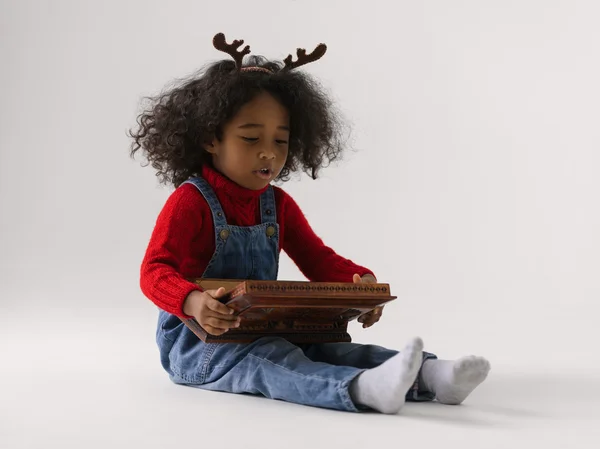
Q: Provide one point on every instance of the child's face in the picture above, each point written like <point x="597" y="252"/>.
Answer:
<point x="254" y="145"/>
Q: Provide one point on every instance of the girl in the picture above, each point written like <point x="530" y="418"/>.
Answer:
<point x="221" y="139"/>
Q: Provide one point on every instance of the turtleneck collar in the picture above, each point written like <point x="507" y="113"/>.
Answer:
<point x="223" y="185"/>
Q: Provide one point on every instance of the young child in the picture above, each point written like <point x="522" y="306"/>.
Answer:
<point x="221" y="139"/>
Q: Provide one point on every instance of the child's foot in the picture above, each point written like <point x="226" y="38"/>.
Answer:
<point x="453" y="380"/>
<point x="384" y="388"/>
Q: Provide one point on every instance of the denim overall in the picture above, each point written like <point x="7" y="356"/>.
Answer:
<point x="315" y="374"/>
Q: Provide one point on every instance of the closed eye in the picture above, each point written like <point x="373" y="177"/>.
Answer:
<point x="255" y="139"/>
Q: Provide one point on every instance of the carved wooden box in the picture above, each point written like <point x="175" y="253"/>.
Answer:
<point x="301" y="312"/>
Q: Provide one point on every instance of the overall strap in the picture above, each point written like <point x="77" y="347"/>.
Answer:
<point x="268" y="213"/>
<point x="211" y="198"/>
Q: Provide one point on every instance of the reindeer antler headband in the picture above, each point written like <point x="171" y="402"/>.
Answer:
<point x="232" y="49"/>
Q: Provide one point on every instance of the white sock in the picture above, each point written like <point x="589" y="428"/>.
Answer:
<point x="453" y="380"/>
<point x="384" y="388"/>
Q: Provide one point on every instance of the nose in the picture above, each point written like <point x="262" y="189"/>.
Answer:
<point x="267" y="152"/>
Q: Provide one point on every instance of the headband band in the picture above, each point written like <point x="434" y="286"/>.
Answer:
<point x="256" y="69"/>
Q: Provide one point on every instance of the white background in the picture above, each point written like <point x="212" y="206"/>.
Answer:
<point x="472" y="188"/>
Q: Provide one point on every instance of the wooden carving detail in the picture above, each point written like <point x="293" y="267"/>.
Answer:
<point x="301" y="312"/>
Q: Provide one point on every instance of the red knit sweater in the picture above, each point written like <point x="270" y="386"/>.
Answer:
<point x="183" y="240"/>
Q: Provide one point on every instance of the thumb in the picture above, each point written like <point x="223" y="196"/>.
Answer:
<point x="216" y="293"/>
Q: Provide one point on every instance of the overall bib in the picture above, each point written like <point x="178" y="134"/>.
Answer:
<point x="316" y="375"/>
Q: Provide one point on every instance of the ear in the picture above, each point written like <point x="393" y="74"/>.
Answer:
<point x="211" y="147"/>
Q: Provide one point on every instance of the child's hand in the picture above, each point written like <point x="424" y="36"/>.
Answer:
<point x="214" y="316"/>
<point x="372" y="317"/>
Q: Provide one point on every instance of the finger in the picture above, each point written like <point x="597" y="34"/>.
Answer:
<point x="216" y="293"/>
<point x="220" y="316"/>
<point x="221" y="324"/>
<point x="371" y="320"/>
<point x="219" y="307"/>
<point x="376" y="316"/>
<point x="370" y="323"/>
<point x="363" y="318"/>
<point x="213" y="331"/>
<point x="356" y="279"/>
<point x="368" y="314"/>
<point x="377" y="311"/>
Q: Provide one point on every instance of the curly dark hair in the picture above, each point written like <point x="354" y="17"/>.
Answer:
<point x="173" y="130"/>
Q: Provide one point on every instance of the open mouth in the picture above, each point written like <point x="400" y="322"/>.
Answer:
<point x="264" y="173"/>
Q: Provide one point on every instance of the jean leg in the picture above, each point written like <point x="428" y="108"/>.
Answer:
<point x="365" y="356"/>
<point x="277" y="369"/>
<point x="349" y="354"/>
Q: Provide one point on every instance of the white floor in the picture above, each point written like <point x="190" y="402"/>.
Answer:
<point x="101" y="386"/>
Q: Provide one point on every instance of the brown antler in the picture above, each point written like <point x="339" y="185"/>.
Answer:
<point x="303" y="58"/>
<point x="231" y="49"/>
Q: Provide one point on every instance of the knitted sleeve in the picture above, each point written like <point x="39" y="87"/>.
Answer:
<point x="171" y="245"/>
<point x="317" y="261"/>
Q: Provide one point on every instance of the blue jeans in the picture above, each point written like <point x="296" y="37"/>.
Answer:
<point x="317" y="375"/>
